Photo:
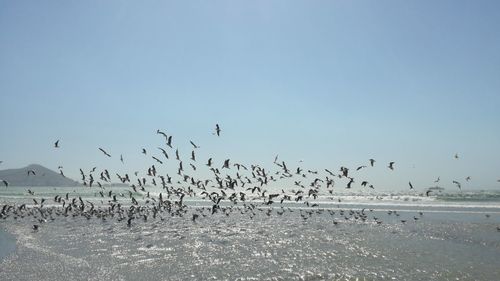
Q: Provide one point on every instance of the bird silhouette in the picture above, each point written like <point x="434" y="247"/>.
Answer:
<point x="217" y="130"/>
<point x="391" y="165"/>
<point x="105" y="153"/>
<point x="56" y="144"/>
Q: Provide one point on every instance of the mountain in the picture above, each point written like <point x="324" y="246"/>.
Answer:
<point x="42" y="177"/>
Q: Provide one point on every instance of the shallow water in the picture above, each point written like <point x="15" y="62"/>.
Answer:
<point x="436" y="246"/>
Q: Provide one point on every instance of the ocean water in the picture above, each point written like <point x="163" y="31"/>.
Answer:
<point x="440" y="239"/>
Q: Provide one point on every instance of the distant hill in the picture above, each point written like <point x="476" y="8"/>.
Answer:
<point x="42" y="177"/>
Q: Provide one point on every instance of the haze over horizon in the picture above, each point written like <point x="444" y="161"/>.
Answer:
<point x="329" y="83"/>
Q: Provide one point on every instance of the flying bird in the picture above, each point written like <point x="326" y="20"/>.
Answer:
<point x="56" y="144"/>
<point x="411" y="186"/>
<point x="372" y="161"/>
<point x="391" y="165"/>
<point x="217" y="130"/>
<point x="105" y="153"/>
<point x="31" y="172"/>
<point x="458" y="184"/>
<point x="194" y="145"/>
<point x="6" y="183"/>
<point x="121" y="158"/>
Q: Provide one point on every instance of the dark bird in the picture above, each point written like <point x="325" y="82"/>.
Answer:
<point x="193" y="156"/>
<point x="35" y="227"/>
<point x="456" y="156"/>
<point x="360" y="167"/>
<point x="209" y="164"/>
<point x="105" y="153"/>
<point x="157" y="160"/>
<point x="5" y="183"/>
<point x="31" y="172"/>
<point x="121" y="158"/>
<point x="226" y="164"/>
<point x="144" y="151"/>
<point x="437" y="180"/>
<point x="56" y="144"/>
<point x="467" y="178"/>
<point x="391" y="165"/>
<point x="164" y="152"/>
<point x="411" y="186"/>
<point x="169" y="141"/>
<point x="372" y="161"/>
<point x="194" y="145"/>
<point x="458" y="184"/>
<point x="428" y="192"/>
<point x="217" y="130"/>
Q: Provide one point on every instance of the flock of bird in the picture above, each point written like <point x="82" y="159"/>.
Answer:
<point x="232" y="187"/>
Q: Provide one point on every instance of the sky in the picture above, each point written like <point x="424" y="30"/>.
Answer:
<point x="327" y="83"/>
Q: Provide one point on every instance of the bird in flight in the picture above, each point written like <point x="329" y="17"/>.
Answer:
<point x="105" y="153"/>
<point x="411" y="186"/>
<point x="31" y="172"/>
<point x="391" y="165"/>
<point x="194" y="145"/>
<point x="456" y="156"/>
<point x="458" y="184"/>
<point x="437" y="180"/>
<point x="372" y="161"/>
<point x="467" y="178"/>
<point x="121" y="158"/>
<point x="56" y="144"/>
<point x="217" y="130"/>
<point x="6" y="183"/>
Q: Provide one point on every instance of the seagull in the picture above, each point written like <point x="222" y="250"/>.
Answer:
<point x="411" y="186"/>
<point x="437" y="180"/>
<point x="217" y="130"/>
<point x="372" y="161"/>
<point x="121" y="158"/>
<point x="194" y="145"/>
<point x="428" y="192"/>
<point x="458" y="184"/>
<point x="226" y="164"/>
<point x="31" y="172"/>
<point x="193" y="156"/>
<point x="467" y="178"/>
<point x="144" y="151"/>
<point x="391" y="165"/>
<point x="56" y="144"/>
<point x="209" y="164"/>
<point x="105" y="153"/>
<point x="169" y="141"/>
<point x="360" y="167"/>
<point x="456" y="156"/>
<point x="164" y="152"/>
<point x="6" y="183"/>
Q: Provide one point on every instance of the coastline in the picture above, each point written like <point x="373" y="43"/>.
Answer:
<point x="7" y="243"/>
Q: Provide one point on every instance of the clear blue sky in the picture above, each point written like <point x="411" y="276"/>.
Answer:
<point x="328" y="82"/>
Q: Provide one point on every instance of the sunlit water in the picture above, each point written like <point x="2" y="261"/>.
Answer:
<point x="446" y="242"/>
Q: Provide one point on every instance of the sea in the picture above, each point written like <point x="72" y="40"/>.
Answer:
<point x="344" y="236"/>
